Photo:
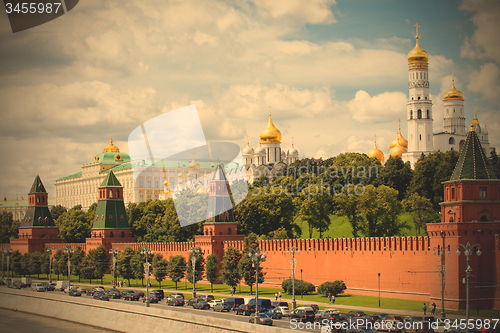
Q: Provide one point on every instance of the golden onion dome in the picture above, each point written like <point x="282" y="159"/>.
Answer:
<point x="111" y="148"/>
<point x="181" y="175"/>
<point x="193" y="165"/>
<point x="397" y="150"/>
<point x="399" y="140"/>
<point x="190" y="174"/>
<point x="418" y="54"/>
<point x="270" y="133"/>
<point x="453" y="93"/>
<point x="377" y="153"/>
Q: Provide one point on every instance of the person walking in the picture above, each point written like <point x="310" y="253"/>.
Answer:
<point x="329" y="298"/>
<point x="425" y="309"/>
<point x="276" y="296"/>
<point x="232" y="291"/>
<point x="279" y="295"/>
<point x="433" y="308"/>
<point x="333" y="299"/>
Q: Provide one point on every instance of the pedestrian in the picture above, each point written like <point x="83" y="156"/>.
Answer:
<point x="276" y="296"/>
<point x="333" y="299"/>
<point x="425" y="309"/>
<point x="279" y="295"/>
<point x="329" y="298"/>
<point x="433" y="308"/>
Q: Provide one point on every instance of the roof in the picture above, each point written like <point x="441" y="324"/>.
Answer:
<point x="472" y="163"/>
<point x="219" y="173"/>
<point x="110" y="181"/>
<point x="37" y="186"/>
<point x="75" y="175"/>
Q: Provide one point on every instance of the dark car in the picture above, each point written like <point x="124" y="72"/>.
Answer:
<point x="129" y="295"/>
<point x="15" y="285"/>
<point x="151" y="298"/>
<point x="207" y="298"/>
<point x="74" y="292"/>
<point x="331" y="317"/>
<point x="159" y="293"/>
<point x="202" y="305"/>
<point x="245" y="309"/>
<point x="114" y="293"/>
<point x="138" y="292"/>
<point x="234" y="302"/>
<point x="101" y="295"/>
<point x="274" y="313"/>
<point x="264" y="319"/>
<point x="381" y="315"/>
<point x="357" y="313"/>
<point x="276" y="304"/>
<point x="315" y="307"/>
<point x="94" y="290"/>
<point x="391" y="317"/>
<point x="302" y="315"/>
<point x="175" y="301"/>
<point x="220" y="307"/>
<point x="176" y="295"/>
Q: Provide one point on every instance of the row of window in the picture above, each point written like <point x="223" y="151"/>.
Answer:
<point x="483" y="193"/>
<point x="423" y="76"/>
<point x="419" y="114"/>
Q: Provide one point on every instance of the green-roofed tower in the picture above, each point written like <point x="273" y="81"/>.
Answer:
<point x="110" y="212"/>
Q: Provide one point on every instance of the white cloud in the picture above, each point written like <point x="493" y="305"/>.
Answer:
<point x="377" y="109"/>
<point x="301" y="11"/>
<point x="486" y="81"/>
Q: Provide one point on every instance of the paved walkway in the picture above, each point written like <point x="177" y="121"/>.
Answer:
<point x="304" y="302"/>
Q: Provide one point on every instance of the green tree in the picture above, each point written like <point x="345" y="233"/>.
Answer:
<point x="25" y="264"/>
<point x="73" y="226"/>
<point x="137" y="264"/>
<point x="123" y="264"/>
<point x="246" y="266"/>
<point x="348" y="203"/>
<point x="278" y="234"/>
<point x="314" y="209"/>
<point x="159" y="268"/>
<point x="57" y="211"/>
<point x="45" y="263"/>
<point x="332" y="288"/>
<point x="15" y="263"/>
<point x="176" y="268"/>
<point x="396" y="174"/>
<point x="199" y="266"/>
<point x="495" y="163"/>
<point x="352" y="168"/>
<point x="77" y="262"/>
<point x="55" y="262"/>
<point x="62" y="264"/>
<point x="211" y="269"/>
<point x="8" y="227"/>
<point x="100" y="260"/>
<point x="421" y="211"/>
<point x="35" y="264"/>
<point x="301" y="287"/>
<point x="230" y="274"/>
<point x="90" y="214"/>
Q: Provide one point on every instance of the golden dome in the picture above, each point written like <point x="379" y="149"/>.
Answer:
<point x="193" y="165"/>
<point x="475" y="121"/>
<point x="399" y="140"/>
<point x="397" y="150"/>
<point x="418" y="54"/>
<point x="111" y="148"/>
<point x="166" y="183"/>
<point x="453" y="93"/>
<point x="181" y="175"/>
<point x="270" y="133"/>
<point x="377" y="153"/>
<point x="190" y="174"/>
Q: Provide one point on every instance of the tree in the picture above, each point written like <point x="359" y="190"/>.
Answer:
<point x="45" y="263"/>
<point x="301" y="287"/>
<point x="159" y="268"/>
<point x="123" y="264"/>
<point x="421" y="211"/>
<point x="352" y="168"/>
<point x="57" y="211"/>
<point x="77" y="262"/>
<point x="55" y="263"/>
<point x="100" y="260"/>
<point x="73" y="226"/>
<point x="495" y="163"/>
<point x="15" y="263"/>
<point x="211" y="269"/>
<point x="246" y="265"/>
<point x="176" y="268"/>
<point x="396" y="174"/>
<point x="199" y="266"/>
<point x="278" y="234"/>
<point x="62" y="264"/>
<point x="90" y="214"/>
<point x="137" y="264"/>
<point x="8" y="227"/>
<point x="230" y="273"/>
<point x="35" y="264"/>
<point x="314" y="210"/>
<point x="347" y="203"/>
<point x="332" y="288"/>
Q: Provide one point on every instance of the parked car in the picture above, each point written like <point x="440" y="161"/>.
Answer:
<point x="15" y="285"/>
<point x="315" y="307"/>
<point x="274" y="313"/>
<point x="175" y="301"/>
<point x="245" y="309"/>
<point x="234" y="302"/>
<point x="301" y="314"/>
<point x="381" y="315"/>
<point x="223" y="306"/>
<point x="424" y="327"/>
<point x="139" y="292"/>
<point x="113" y="293"/>
<point x="357" y="313"/>
<point x="285" y="311"/>
<point x="391" y="317"/>
<point x="100" y="295"/>
<point x="264" y="304"/>
<point x="277" y="304"/>
<point x="202" y="305"/>
<point x="82" y="290"/>
<point x="176" y="295"/>
<point x="151" y="298"/>
<point x="37" y="287"/>
<point x="159" y="293"/>
<point x="264" y="319"/>
<point x="129" y="295"/>
<point x="390" y="326"/>
<point x="74" y="292"/>
<point x="92" y="291"/>
<point x="191" y="301"/>
<point x="67" y="289"/>
<point x="50" y="286"/>
<point x="207" y="298"/>
<point x="214" y="301"/>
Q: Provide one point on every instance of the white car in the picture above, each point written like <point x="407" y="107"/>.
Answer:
<point x="214" y="301"/>
<point x="285" y="311"/>
<point x="37" y="287"/>
<point x="66" y="290"/>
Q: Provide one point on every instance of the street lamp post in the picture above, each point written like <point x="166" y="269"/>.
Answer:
<point x="301" y="290"/>
<point x="194" y="251"/>
<point x="3" y="254"/>
<point x="442" y="269"/>
<point x="114" y="252"/>
<point x="257" y="258"/>
<point x="8" y="251"/>
<point x="69" y="251"/>
<point x="293" y="250"/>
<point x="379" y="290"/>
<point x="146" y="251"/>
<point x="50" y="250"/>
<point x="468" y="250"/>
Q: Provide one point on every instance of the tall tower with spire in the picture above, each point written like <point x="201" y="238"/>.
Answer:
<point x="454" y="119"/>
<point x="419" y="106"/>
<point x="270" y="138"/>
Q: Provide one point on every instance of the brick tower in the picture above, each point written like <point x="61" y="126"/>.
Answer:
<point x="470" y="213"/>
<point x="37" y="227"/>
<point x="110" y="220"/>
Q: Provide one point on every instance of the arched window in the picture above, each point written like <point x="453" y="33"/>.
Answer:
<point x="111" y="234"/>
<point x="428" y="114"/>
<point x="484" y="218"/>
<point x="451" y="141"/>
<point x="229" y="231"/>
<point x="418" y="97"/>
<point x="419" y="114"/>
<point x="451" y="218"/>
<point x="411" y="114"/>
<point x="123" y="234"/>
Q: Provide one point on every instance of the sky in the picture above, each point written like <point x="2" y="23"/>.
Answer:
<point x="333" y="72"/>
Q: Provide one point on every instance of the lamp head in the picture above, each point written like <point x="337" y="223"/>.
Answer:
<point x="478" y="252"/>
<point x="458" y="252"/>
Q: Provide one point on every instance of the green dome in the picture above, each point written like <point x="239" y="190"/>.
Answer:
<point x="112" y="158"/>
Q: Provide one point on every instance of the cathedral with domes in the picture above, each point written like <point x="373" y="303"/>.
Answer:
<point x="419" y="116"/>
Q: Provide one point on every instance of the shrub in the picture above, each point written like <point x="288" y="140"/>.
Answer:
<point x="332" y="288"/>
<point x="301" y="287"/>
